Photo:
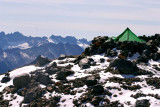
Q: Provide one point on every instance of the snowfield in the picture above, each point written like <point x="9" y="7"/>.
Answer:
<point x="123" y="96"/>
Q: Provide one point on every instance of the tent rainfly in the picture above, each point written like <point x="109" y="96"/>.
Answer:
<point x="128" y="35"/>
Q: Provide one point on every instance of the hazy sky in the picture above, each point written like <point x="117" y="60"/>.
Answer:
<point x="80" y="18"/>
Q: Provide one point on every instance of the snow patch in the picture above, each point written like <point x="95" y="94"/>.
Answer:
<point x="4" y="54"/>
<point x="82" y="45"/>
<point x="20" y="46"/>
<point x="24" y="55"/>
<point x="50" y="40"/>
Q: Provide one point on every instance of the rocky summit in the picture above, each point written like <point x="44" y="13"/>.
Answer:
<point x="106" y="74"/>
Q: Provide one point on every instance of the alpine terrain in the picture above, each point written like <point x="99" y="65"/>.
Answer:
<point x="17" y="50"/>
<point x="109" y="73"/>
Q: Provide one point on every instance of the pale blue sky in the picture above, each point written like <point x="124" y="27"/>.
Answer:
<point x="80" y="18"/>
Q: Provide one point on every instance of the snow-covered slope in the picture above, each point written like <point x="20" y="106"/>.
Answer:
<point x="119" y="89"/>
<point x="106" y="74"/>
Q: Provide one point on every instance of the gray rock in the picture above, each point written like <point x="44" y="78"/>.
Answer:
<point x="61" y="75"/>
<point x="54" y="64"/>
<point x="143" y="59"/>
<point x="21" y="81"/>
<point x="108" y="52"/>
<point x="91" y="81"/>
<point x="61" y="57"/>
<point x="155" y="56"/>
<point x="51" y="70"/>
<point x="40" y="61"/>
<point x="114" y="63"/>
<point x="96" y="100"/>
<point x="84" y="63"/>
<point x="142" y="103"/>
<point x="97" y="89"/>
<point x="146" y="52"/>
<point x="69" y="72"/>
<point x="5" y="79"/>
<point x="102" y="60"/>
<point x="124" y="66"/>
<point x="43" y="78"/>
<point x="32" y="94"/>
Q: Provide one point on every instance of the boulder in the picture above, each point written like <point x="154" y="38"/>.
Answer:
<point x="77" y="60"/>
<point x="110" y="53"/>
<point x="146" y="52"/>
<point x="155" y="56"/>
<point x="153" y="48"/>
<point x="43" y="78"/>
<point x="101" y="49"/>
<point x="130" y="54"/>
<point x="150" y="42"/>
<point x="61" y="75"/>
<point x="69" y="66"/>
<point x="98" y="41"/>
<point x="54" y="64"/>
<point x="40" y="61"/>
<point x="32" y="94"/>
<point x="49" y="88"/>
<point x="69" y="72"/>
<point x="91" y="62"/>
<point x="142" y="103"/>
<point x="21" y="81"/>
<point x="84" y="63"/>
<point x="113" y="53"/>
<point x="91" y="81"/>
<point x="5" y="79"/>
<point x="98" y="89"/>
<point x="61" y="57"/>
<point x="124" y="53"/>
<point x="102" y="60"/>
<point x="51" y="70"/>
<point x="87" y="51"/>
<point x="7" y="90"/>
<point x="142" y="58"/>
<point x="124" y="66"/>
<point x="107" y="54"/>
<point x="121" y="56"/>
<point x="96" y="100"/>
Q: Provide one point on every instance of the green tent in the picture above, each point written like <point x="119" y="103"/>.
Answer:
<point x="128" y="35"/>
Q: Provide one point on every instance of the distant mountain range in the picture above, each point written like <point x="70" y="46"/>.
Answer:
<point x="18" y="40"/>
<point x="17" y="50"/>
